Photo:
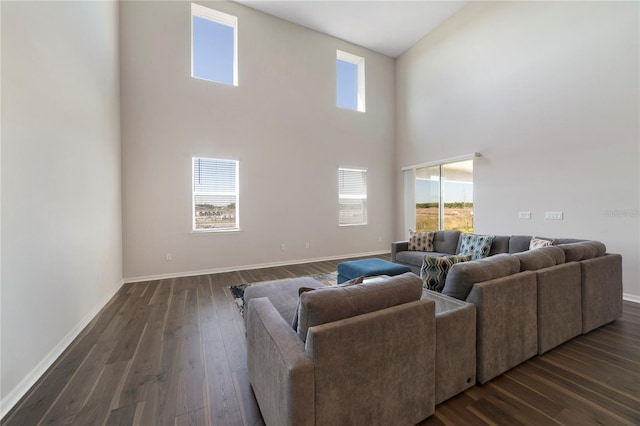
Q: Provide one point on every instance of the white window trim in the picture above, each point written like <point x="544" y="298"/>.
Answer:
<point x="359" y="61"/>
<point x="220" y="18"/>
<point x="193" y="200"/>
<point x="352" y="197"/>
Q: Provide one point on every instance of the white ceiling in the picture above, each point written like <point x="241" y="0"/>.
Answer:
<point x="385" y="26"/>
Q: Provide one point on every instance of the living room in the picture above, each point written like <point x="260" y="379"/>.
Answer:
<point x="101" y="118"/>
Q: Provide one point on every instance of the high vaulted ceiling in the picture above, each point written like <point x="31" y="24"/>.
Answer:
<point x="388" y="27"/>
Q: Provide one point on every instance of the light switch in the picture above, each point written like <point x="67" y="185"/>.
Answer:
<point x="524" y="215"/>
<point x="553" y="215"/>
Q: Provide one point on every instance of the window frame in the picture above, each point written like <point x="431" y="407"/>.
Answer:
<point x="195" y="193"/>
<point x="359" y="62"/>
<point x="364" y="197"/>
<point x="219" y="18"/>
<point x="410" y="221"/>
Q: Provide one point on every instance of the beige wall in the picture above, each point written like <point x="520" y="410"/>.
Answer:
<point x="61" y="210"/>
<point x="548" y="93"/>
<point x="281" y="123"/>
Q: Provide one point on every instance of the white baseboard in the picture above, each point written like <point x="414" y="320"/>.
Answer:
<point x="248" y="267"/>
<point x="30" y="379"/>
<point x="631" y="297"/>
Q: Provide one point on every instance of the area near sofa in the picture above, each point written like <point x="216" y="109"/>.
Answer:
<point x="493" y="314"/>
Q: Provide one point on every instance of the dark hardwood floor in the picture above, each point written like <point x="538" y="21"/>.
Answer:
<point x="173" y="352"/>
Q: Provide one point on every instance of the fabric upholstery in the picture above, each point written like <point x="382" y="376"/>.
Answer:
<point x="434" y="270"/>
<point x="421" y="240"/>
<point x="507" y="324"/>
<point x="500" y="244"/>
<point x="518" y="243"/>
<point x="559" y="305"/>
<point x="583" y="250"/>
<point x="283" y="294"/>
<point x="537" y="243"/>
<point x="376" y="368"/>
<point x="601" y="291"/>
<point x="368" y="268"/>
<point x="446" y="242"/>
<point x="455" y="345"/>
<point x="334" y="303"/>
<point x="544" y="257"/>
<point x="282" y="376"/>
<point x="462" y="276"/>
<point x="474" y="245"/>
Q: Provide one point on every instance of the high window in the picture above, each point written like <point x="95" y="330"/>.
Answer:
<point x="215" y="194"/>
<point x="439" y="196"/>
<point x="214" y="45"/>
<point x="350" y="81"/>
<point x="352" y="197"/>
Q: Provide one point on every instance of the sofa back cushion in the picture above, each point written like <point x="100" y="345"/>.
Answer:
<point x="583" y="250"/>
<point x="544" y="257"/>
<point x="446" y="241"/>
<point x="519" y="243"/>
<point x="462" y="276"/>
<point x="330" y="304"/>
<point x="500" y="244"/>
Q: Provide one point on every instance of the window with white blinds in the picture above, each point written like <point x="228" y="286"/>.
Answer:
<point x="352" y="197"/>
<point x="215" y="194"/>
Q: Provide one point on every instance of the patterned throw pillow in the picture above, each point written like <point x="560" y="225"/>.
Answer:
<point x="434" y="270"/>
<point x="537" y="243"/>
<point x="476" y="246"/>
<point x="421" y="240"/>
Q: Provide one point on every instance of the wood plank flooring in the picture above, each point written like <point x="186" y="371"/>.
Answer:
<point x="173" y="352"/>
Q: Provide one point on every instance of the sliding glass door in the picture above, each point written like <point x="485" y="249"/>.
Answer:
<point x="444" y="196"/>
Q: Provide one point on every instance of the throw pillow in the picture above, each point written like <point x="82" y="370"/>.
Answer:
<point x="537" y="243"/>
<point x="476" y="246"/>
<point x="294" y="321"/>
<point x="435" y="268"/>
<point x="421" y="240"/>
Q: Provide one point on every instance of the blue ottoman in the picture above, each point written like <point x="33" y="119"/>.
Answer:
<point x="368" y="268"/>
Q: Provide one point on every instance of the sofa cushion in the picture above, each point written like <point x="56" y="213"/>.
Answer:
<point x="294" y="321"/>
<point x="545" y="257"/>
<point x="434" y="270"/>
<point x="583" y="250"/>
<point x="518" y="243"/>
<point x="421" y="240"/>
<point x="416" y="257"/>
<point x="335" y="303"/>
<point x="537" y="243"/>
<point x="500" y="244"/>
<point x="477" y="246"/>
<point x="462" y="276"/>
<point x="446" y="242"/>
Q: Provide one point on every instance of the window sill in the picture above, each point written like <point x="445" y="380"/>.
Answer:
<point x="200" y="233"/>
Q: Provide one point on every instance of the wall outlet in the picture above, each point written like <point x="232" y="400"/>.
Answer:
<point x="168" y="257"/>
<point x="306" y="245"/>
<point x="553" y="215"/>
<point x="379" y="239"/>
<point x="524" y="215"/>
<point x="283" y="247"/>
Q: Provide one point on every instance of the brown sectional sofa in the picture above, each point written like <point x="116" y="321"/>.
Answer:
<point x="528" y="301"/>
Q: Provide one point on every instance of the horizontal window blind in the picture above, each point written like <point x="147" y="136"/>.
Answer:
<point x="352" y="197"/>
<point x="215" y="194"/>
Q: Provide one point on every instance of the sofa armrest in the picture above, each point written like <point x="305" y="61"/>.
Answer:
<point x="506" y="323"/>
<point x="398" y="246"/>
<point x="281" y="374"/>
<point x="360" y="361"/>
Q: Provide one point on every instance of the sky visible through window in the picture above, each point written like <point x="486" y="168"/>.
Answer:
<point x="347" y="84"/>
<point x="212" y="51"/>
